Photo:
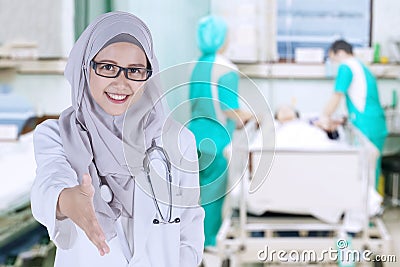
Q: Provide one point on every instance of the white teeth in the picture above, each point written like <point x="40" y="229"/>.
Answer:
<point x="117" y="97"/>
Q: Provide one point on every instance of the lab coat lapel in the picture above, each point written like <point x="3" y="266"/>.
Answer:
<point x="144" y="213"/>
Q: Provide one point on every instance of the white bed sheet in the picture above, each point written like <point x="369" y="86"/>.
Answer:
<point x="17" y="168"/>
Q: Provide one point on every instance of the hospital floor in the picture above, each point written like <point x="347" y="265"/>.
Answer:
<point x="391" y="218"/>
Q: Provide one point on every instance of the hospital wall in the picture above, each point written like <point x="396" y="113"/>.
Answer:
<point x="47" y="25"/>
<point x="173" y="27"/>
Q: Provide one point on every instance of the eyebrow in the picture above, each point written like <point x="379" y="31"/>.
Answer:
<point x="115" y="63"/>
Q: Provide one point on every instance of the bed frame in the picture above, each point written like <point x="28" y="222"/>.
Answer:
<point x="334" y="180"/>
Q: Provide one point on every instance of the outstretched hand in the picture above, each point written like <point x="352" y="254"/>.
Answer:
<point x="76" y="203"/>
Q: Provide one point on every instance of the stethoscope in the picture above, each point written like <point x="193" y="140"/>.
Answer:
<point x="146" y="166"/>
<point x="107" y="194"/>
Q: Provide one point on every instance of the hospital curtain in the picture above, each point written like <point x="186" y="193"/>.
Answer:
<point x="87" y="10"/>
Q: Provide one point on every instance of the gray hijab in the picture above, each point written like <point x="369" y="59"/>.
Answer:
<point x="95" y="141"/>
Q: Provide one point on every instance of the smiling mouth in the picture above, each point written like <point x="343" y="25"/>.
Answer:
<point x="117" y="98"/>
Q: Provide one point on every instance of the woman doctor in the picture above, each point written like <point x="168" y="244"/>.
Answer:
<point x="91" y="190"/>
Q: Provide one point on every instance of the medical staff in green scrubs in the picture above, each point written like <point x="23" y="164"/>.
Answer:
<point x="357" y="84"/>
<point x="215" y="114"/>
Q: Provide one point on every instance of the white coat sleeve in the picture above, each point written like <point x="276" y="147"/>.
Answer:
<point x="53" y="174"/>
<point x="192" y="218"/>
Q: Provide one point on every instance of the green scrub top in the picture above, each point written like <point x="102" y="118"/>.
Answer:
<point x="358" y="84"/>
<point x="212" y="135"/>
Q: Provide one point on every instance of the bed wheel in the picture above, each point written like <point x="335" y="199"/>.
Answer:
<point x="225" y="263"/>
<point x="378" y="264"/>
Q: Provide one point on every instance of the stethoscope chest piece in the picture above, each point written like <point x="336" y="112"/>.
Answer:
<point x="157" y="221"/>
<point x="106" y="193"/>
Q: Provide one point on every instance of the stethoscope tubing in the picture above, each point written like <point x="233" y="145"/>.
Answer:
<point x="167" y="162"/>
<point x="107" y="194"/>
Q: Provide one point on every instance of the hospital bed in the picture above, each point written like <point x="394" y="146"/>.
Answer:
<point x="17" y="165"/>
<point x="19" y="231"/>
<point x="308" y="190"/>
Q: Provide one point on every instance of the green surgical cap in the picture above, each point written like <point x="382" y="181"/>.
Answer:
<point x="211" y="32"/>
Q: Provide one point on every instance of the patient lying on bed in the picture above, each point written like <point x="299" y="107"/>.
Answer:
<point x="291" y="132"/>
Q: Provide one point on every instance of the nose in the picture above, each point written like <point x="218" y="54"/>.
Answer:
<point x="121" y="83"/>
<point x="121" y="77"/>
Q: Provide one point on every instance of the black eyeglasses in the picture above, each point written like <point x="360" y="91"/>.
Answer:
<point x="112" y="71"/>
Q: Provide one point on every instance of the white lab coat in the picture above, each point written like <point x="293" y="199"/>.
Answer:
<point x="154" y="245"/>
